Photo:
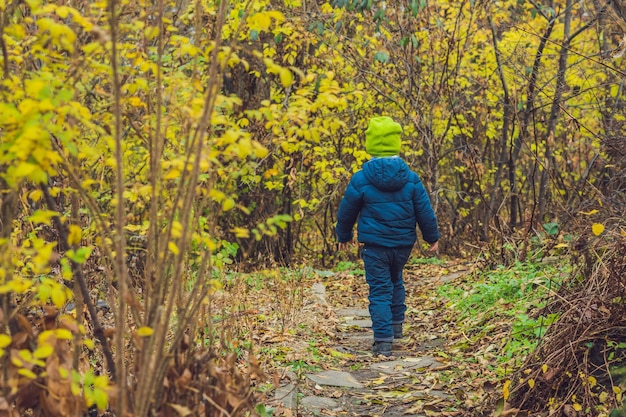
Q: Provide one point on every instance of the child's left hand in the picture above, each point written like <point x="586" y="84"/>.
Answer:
<point x="345" y="245"/>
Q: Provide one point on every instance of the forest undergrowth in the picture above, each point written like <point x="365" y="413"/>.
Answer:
<point x="499" y="326"/>
<point x="489" y="320"/>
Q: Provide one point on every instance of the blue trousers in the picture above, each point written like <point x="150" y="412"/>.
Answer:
<point x="383" y="273"/>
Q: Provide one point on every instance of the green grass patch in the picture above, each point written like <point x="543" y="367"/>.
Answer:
<point x="426" y="261"/>
<point x="499" y="308"/>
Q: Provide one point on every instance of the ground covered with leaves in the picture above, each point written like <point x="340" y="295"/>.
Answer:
<point x="480" y="325"/>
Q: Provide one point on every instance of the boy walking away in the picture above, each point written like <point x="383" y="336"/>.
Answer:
<point x="389" y="201"/>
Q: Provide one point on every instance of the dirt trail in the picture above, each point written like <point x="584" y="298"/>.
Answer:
<point x="410" y="383"/>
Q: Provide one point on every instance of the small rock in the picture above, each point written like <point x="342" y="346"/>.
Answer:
<point x="353" y="312"/>
<point x="287" y="395"/>
<point x="365" y="323"/>
<point x="451" y="277"/>
<point x="320" y="403"/>
<point x="403" y="365"/>
<point x="319" y="293"/>
<point x="335" y="379"/>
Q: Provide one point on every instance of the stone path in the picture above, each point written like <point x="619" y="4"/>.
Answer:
<point x="401" y="385"/>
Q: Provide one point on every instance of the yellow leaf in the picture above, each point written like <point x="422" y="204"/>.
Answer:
<point x="75" y="235"/>
<point x="172" y="175"/>
<point x="145" y="331"/>
<point x="136" y="102"/>
<point x="597" y="228"/>
<point x="5" y="340"/>
<point x="58" y="296"/>
<point x="43" y="217"/>
<point x="505" y="390"/>
<point x="578" y="407"/>
<point x="589" y="213"/>
<point x="43" y="352"/>
<point x="177" y="229"/>
<point x="101" y="399"/>
<point x="592" y="381"/>
<point x="228" y="204"/>
<point x="173" y="248"/>
<point x="35" y="195"/>
<point x="241" y="232"/>
<point x="89" y="344"/>
<point x="63" y="334"/>
<point x="336" y="354"/>
<point x="531" y="383"/>
<point x="286" y="77"/>
<point x="27" y="373"/>
<point x="24" y="169"/>
<point x="618" y="394"/>
<point x="544" y="368"/>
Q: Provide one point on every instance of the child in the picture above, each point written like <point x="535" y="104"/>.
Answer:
<point x="389" y="200"/>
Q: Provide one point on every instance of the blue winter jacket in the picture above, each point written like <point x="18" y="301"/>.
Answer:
<point x="389" y="200"/>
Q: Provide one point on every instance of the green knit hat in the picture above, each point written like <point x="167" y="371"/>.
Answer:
<point x="382" y="137"/>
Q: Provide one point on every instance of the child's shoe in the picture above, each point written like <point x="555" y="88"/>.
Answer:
<point x="381" y="348"/>
<point x="397" y="330"/>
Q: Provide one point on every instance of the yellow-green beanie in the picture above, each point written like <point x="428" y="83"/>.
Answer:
<point x="382" y="137"/>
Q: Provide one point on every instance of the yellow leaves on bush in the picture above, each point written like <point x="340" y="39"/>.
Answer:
<point x="618" y="393"/>
<point x="597" y="229"/>
<point x="27" y="373"/>
<point x="136" y="102"/>
<point x="17" y="285"/>
<point x="591" y="381"/>
<point x="43" y="217"/>
<point x="228" y="204"/>
<point x="43" y="352"/>
<point x="286" y="77"/>
<point x="240" y="232"/>
<point x="74" y="235"/>
<point x="60" y="34"/>
<point x="51" y="290"/>
<point x="89" y="344"/>
<point x="5" y="340"/>
<point x="177" y="229"/>
<point x="173" y="248"/>
<point x="261" y="21"/>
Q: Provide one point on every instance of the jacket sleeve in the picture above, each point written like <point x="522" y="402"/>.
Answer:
<point x="349" y="210"/>
<point x="424" y="214"/>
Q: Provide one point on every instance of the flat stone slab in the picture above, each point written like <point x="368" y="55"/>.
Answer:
<point x="364" y="323"/>
<point x="335" y="379"/>
<point x="403" y="365"/>
<point x="287" y="395"/>
<point x="318" y="291"/>
<point x="319" y="403"/>
<point x="353" y="312"/>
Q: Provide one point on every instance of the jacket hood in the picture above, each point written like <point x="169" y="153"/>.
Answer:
<point x="387" y="174"/>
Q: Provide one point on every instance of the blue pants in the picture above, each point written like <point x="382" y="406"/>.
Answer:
<point x="383" y="273"/>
